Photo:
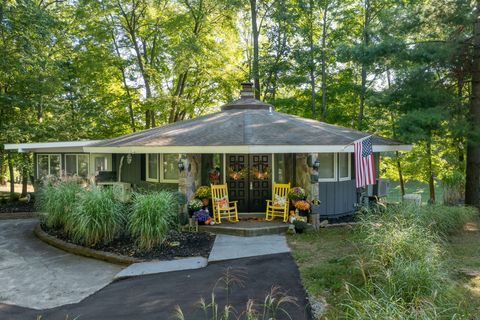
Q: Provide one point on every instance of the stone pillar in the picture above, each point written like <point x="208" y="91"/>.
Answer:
<point x="304" y="171"/>
<point x="190" y="178"/>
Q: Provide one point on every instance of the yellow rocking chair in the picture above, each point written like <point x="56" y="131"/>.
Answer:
<point x="278" y="206"/>
<point x="221" y="206"/>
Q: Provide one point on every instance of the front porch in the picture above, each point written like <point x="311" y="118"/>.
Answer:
<point x="250" y="225"/>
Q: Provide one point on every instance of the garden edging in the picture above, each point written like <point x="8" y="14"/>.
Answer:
<point x="83" y="251"/>
<point x="18" y="215"/>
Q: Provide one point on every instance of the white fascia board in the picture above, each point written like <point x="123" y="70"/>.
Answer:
<point x="64" y="146"/>
<point x="241" y="149"/>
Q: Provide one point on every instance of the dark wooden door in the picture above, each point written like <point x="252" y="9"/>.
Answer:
<point x="238" y="188"/>
<point x="260" y="182"/>
<point x="254" y="186"/>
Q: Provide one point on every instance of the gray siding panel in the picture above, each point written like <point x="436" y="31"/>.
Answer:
<point x="338" y="198"/>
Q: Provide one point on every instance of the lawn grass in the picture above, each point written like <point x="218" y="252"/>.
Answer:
<point x="325" y="259"/>
<point x="326" y="262"/>
<point x="417" y="187"/>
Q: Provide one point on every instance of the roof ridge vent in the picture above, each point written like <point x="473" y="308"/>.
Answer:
<point x="247" y="90"/>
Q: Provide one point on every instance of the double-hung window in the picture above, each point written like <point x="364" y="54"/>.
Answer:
<point x="77" y="165"/>
<point x="344" y="166"/>
<point x="49" y="165"/>
<point x="328" y="167"/>
<point x="162" y="167"/>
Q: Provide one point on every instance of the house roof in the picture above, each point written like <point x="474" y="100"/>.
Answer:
<point x="245" y="125"/>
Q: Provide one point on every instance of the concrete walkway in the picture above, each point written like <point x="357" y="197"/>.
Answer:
<point x="36" y="275"/>
<point x="228" y="247"/>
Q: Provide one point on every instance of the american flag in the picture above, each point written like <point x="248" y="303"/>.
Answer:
<point x="364" y="162"/>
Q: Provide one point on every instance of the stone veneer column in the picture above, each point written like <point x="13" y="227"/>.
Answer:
<point x="303" y="172"/>
<point x="190" y="178"/>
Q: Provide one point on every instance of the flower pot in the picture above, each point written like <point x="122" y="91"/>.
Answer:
<point x="303" y="213"/>
<point x="205" y="201"/>
<point x="299" y="230"/>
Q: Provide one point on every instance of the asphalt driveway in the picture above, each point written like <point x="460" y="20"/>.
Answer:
<point x="36" y="275"/>
<point x="155" y="296"/>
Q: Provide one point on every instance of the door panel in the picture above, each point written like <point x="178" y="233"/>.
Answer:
<point x="260" y="181"/>
<point x="238" y="189"/>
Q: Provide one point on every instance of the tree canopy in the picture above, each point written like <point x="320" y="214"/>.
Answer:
<point x="97" y="69"/>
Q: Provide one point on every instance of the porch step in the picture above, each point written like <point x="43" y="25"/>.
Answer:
<point x="250" y="215"/>
<point x="247" y="228"/>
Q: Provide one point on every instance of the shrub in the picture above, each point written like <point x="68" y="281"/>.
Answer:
<point x="97" y="217"/>
<point x="57" y="201"/>
<point x="152" y="216"/>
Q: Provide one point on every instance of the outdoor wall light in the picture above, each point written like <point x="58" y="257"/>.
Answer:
<point x="181" y="166"/>
<point x="316" y="165"/>
<point x="129" y="158"/>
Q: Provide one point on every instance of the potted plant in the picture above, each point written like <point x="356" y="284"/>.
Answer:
<point x="303" y="207"/>
<point x="204" y="193"/>
<point x="194" y="204"/>
<point x="202" y="216"/>
<point x="300" y="226"/>
<point x="295" y="194"/>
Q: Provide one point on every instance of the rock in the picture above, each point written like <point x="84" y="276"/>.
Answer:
<point x="323" y="223"/>
<point x="318" y="306"/>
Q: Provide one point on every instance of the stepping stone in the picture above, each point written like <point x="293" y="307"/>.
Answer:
<point x="151" y="267"/>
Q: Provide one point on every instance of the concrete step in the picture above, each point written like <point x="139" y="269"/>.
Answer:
<point x="247" y="228"/>
<point x="250" y="215"/>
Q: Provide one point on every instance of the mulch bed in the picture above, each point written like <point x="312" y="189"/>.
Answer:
<point x="178" y="244"/>
<point x="17" y="206"/>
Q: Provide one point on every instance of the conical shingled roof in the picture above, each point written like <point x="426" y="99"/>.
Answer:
<point x="244" y="122"/>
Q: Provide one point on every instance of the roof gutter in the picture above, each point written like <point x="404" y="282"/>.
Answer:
<point x="242" y="149"/>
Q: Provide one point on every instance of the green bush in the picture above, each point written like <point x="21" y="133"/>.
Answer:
<point x="152" y="216"/>
<point x="57" y="201"/>
<point x="97" y="217"/>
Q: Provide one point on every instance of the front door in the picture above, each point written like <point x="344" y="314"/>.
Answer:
<point x="249" y="180"/>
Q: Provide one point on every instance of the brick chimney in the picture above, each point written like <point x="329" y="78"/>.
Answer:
<point x="247" y="91"/>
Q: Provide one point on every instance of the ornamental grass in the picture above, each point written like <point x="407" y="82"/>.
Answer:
<point x="151" y="218"/>
<point x="97" y="217"/>
<point x="56" y="201"/>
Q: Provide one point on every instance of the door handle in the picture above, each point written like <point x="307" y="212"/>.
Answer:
<point x="251" y="185"/>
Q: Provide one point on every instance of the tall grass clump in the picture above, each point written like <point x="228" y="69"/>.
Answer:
<point x="56" y="201"/>
<point x="152" y="216"/>
<point x="402" y="257"/>
<point x="440" y="219"/>
<point x="97" y="217"/>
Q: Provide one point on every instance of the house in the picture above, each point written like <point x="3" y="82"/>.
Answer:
<point x="247" y="144"/>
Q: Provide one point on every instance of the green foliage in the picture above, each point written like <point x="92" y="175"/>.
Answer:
<point x="57" y="201"/>
<point x="152" y="216"/>
<point x="203" y="192"/>
<point x="97" y="217"/>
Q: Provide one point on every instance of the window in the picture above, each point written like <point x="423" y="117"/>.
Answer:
<point x="327" y="170"/>
<point x="49" y="164"/>
<point x="100" y="162"/>
<point x="169" y="167"/>
<point x="152" y="167"/>
<point x="283" y="167"/>
<point x="344" y="166"/>
<point x="162" y="167"/>
<point x="77" y="164"/>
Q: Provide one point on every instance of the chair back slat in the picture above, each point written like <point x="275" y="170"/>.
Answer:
<point x="280" y="189"/>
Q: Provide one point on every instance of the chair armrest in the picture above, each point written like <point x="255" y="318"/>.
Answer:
<point x="233" y="201"/>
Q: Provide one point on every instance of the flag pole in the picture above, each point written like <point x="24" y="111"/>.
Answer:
<point x="356" y="141"/>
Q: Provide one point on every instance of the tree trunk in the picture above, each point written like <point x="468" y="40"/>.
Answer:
<point x="324" y="63"/>
<point x="365" y="41"/>
<point x="255" y="63"/>
<point x="472" y="185"/>
<point x="312" y="63"/>
<point x="25" y="170"/>
<point x="11" y="172"/>
<point x="400" y="173"/>
<point x="431" y="181"/>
